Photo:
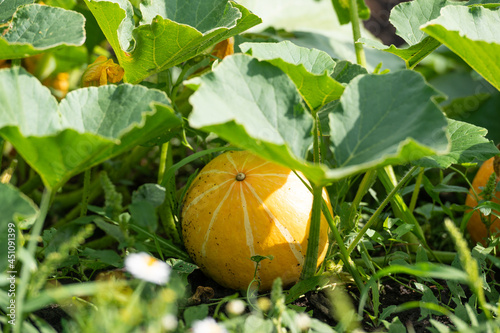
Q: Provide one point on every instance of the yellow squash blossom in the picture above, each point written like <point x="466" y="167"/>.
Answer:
<point x="102" y="71"/>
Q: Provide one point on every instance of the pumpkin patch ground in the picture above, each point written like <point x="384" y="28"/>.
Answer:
<point x="219" y="166"/>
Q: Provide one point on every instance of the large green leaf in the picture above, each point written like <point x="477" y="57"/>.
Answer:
<point x="407" y="17"/>
<point x="9" y="7"/>
<point x="472" y="33"/>
<point x="171" y="32"/>
<point x="202" y="15"/>
<point x="309" y="69"/>
<point x="381" y="119"/>
<point x="254" y="105"/>
<point x="36" y="29"/>
<point x="386" y="119"/>
<point x="467" y="145"/>
<point x="89" y="126"/>
<point x="17" y="209"/>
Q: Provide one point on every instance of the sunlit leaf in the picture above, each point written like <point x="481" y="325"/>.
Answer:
<point x="309" y="69"/>
<point x="34" y="31"/>
<point x="171" y="32"/>
<point x="380" y="120"/>
<point x="407" y="17"/>
<point x="472" y="33"/>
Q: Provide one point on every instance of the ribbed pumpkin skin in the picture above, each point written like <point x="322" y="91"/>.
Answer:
<point x="476" y="227"/>
<point x="226" y="221"/>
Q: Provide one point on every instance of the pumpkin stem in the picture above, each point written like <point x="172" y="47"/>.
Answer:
<point x="240" y="176"/>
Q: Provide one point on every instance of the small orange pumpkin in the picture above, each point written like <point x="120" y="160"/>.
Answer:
<point x="476" y="227"/>
<point x="240" y="206"/>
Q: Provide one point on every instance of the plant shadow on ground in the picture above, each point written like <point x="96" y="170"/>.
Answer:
<point x="392" y="293"/>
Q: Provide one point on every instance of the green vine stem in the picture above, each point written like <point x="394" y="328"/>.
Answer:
<point x="356" y="33"/>
<point x="338" y="238"/>
<point x="27" y="268"/>
<point x="86" y="192"/>
<point x="165" y="211"/>
<point x="363" y="188"/>
<point x="166" y="161"/>
<point x="311" y="259"/>
<point x="375" y="215"/>
<point x="414" y="196"/>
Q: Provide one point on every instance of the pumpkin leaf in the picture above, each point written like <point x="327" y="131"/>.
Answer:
<point x="188" y="12"/>
<point x="8" y="8"/>
<point x="33" y="31"/>
<point x="468" y="144"/>
<point x="17" y="208"/>
<point x="378" y="122"/>
<point x="89" y="126"/>
<point x="254" y="105"/>
<point x="407" y="17"/>
<point x="309" y="69"/>
<point x="169" y="33"/>
<point x="471" y="33"/>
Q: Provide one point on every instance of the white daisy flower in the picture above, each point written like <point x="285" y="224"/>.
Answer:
<point x="208" y="325"/>
<point x="236" y="307"/>
<point x="145" y="267"/>
<point x="169" y="322"/>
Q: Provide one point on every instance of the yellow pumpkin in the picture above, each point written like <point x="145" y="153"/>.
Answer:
<point x="240" y="206"/>
<point x="475" y="226"/>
